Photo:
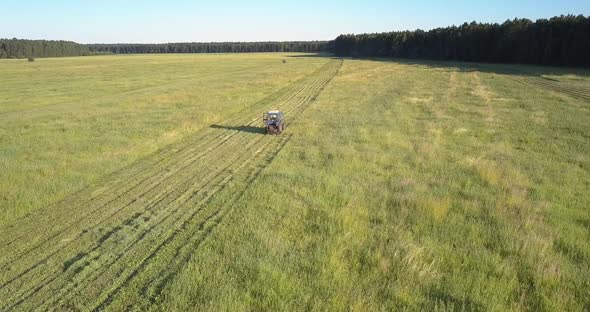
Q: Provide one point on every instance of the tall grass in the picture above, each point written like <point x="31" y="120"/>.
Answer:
<point x="423" y="186"/>
<point x="405" y="185"/>
<point x="66" y="122"/>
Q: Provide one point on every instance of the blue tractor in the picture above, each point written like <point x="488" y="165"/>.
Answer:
<point x="274" y="122"/>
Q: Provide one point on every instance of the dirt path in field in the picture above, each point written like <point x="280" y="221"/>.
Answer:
<point x="115" y="245"/>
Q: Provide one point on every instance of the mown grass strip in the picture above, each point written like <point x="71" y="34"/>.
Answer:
<point x="104" y="240"/>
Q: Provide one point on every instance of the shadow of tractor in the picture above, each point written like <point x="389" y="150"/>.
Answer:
<point x="248" y="129"/>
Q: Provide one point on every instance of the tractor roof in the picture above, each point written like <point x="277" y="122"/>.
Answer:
<point x="273" y="112"/>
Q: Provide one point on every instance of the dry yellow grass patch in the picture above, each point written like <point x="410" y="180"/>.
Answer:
<point x="489" y="172"/>
<point x="438" y="207"/>
<point x="540" y="117"/>
<point x="416" y="259"/>
<point x="483" y="92"/>
<point x="420" y="99"/>
<point x="460" y="130"/>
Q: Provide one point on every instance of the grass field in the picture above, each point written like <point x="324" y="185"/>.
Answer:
<point x="67" y="122"/>
<point x="145" y="182"/>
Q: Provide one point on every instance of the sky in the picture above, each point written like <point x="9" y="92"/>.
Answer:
<point x="150" y="21"/>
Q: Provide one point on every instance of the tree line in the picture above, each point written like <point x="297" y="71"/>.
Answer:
<point x="21" y="48"/>
<point x="563" y="40"/>
<point x="213" y="47"/>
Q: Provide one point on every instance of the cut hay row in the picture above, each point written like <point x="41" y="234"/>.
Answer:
<point x="555" y="86"/>
<point x="117" y="183"/>
<point x="120" y="241"/>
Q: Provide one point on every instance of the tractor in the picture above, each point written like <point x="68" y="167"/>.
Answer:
<point x="274" y="122"/>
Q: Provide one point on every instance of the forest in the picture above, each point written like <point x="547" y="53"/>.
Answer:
<point x="21" y="48"/>
<point x="213" y="47"/>
<point x="563" y="40"/>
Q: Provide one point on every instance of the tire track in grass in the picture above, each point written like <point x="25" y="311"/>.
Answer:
<point x="77" y="221"/>
<point x="86" y="238"/>
<point x="124" y="249"/>
<point x="160" y="156"/>
<point x="151" y="288"/>
<point x="150" y="277"/>
<point x="85" y="234"/>
<point x="74" y="222"/>
<point x="110" y="245"/>
<point x="555" y="86"/>
<point x="143" y="228"/>
<point x="167" y="172"/>
<point x="145" y="189"/>
<point x="548" y="84"/>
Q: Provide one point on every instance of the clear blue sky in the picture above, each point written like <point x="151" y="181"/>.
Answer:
<point x="228" y="20"/>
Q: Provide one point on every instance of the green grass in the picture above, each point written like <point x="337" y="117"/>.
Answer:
<point x="65" y="122"/>
<point x="412" y="186"/>
<point x="397" y="185"/>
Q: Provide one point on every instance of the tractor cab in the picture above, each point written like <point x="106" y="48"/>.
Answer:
<point x="274" y="122"/>
<point x="272" y="116"/>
